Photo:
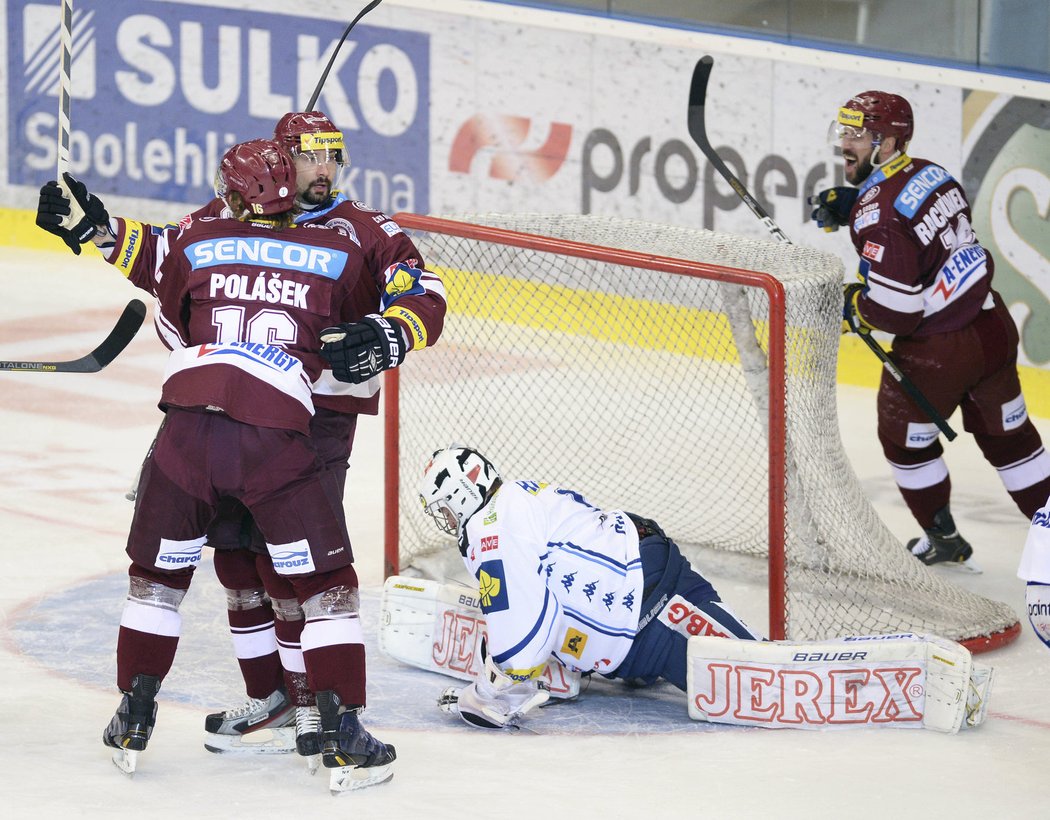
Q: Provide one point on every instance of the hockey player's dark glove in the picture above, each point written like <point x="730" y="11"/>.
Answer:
<point x="833" y="207"/>
<point x="73" y="221"/>
<point x="852" y="322"/>
<point x="358" y="351"/>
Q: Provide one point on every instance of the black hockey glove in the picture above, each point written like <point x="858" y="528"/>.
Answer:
<point x="851" y="318"/>
<point x="357" y="351"/>
<point x="833" y="207"/>
<point x="54" y="208"/>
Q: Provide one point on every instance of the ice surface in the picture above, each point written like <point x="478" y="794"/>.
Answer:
<point x="70" y="445"/>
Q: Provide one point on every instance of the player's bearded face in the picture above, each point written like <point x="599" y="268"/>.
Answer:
<point x="856" y="154"/>
<point x="315" y="176"/>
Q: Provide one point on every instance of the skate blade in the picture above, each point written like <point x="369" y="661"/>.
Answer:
<point x="352" y="778"/>
<point x="126" y="760"/>
<point x="280" y="741"/>
<point x="313" y="763"/>
<point x="968" y="566"/>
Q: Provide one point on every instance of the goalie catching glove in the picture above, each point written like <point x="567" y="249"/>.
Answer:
<point x="358" y="351"/>
<point x="70" y="212"/>
<point x="494" y="700"/>
<point x="834" y="206"/>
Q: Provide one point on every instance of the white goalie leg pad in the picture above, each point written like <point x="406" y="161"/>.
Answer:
<point x="901" y="681"/>
<point x="439" y="627"/>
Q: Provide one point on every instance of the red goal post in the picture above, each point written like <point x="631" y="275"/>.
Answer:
<point x="590" y="351"/>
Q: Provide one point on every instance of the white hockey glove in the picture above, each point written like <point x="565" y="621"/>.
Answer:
<point x="494" y="700"/>
<point x="357" y="351"/>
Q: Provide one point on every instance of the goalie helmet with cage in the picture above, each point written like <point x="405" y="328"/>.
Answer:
<point x="457" y="482"/>
<point x="311" y="132"/>
<point x="262" y="173"/>
<point x="878" y="112"/>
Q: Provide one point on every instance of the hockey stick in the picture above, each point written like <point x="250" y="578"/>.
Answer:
<point x="324" y="76"/>
<point x="698" y="131"/>
<point x="119" y="337"/>
<point x="65" y="85"/>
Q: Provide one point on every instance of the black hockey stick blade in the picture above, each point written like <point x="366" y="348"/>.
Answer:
<point x="698" y="131"/>
<point x="324" y="76"/>
<point x="120" y="337"/>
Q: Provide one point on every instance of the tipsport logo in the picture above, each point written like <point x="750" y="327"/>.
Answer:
<point x="160" y="90"/>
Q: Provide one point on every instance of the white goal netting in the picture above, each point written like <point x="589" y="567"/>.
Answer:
<point x="648" y="390"/>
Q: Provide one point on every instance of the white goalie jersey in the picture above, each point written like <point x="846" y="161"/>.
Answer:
<point x="555" y="575"/>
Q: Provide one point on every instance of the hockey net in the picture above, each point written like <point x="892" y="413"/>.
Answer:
<point x="701" y="394"/>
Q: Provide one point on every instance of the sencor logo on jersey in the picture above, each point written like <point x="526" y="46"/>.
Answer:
<point x="919" y="187"/>
<point x="274" y="253"/>
<point x="492" y="587"/>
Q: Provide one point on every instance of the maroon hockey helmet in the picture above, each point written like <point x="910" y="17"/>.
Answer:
<point x="881" y="113"/>
<point x="300" y="131"/>
<point x="262" y="172"/>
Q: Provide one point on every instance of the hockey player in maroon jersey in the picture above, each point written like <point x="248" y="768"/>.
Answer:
<point x="925" y="278"/>
<point x="242" y="303"/>
<point x="265" y="618"/>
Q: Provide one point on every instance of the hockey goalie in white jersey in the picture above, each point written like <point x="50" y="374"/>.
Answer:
<point x="564" y="584"/>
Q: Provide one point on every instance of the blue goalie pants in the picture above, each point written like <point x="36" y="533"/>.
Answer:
<point x="659" y="651"/>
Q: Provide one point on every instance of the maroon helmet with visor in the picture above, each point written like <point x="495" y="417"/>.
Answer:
<point x="302" y="131"/>
<point x="262" y="172"/>
<point x="879" y="112"/>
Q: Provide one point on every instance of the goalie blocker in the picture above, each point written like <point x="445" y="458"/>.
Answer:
<point x="901" y="681"/>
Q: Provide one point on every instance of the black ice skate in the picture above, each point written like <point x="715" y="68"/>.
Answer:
<point x="130" y="729"/>
<point x="942" y="543"/>
<point x="355" y="757"/>
<point x="259" y="726"/>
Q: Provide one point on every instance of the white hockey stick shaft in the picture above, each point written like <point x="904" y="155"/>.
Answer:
<point x="65" y="84"/>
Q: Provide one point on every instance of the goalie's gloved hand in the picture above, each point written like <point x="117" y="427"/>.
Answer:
<point x="75" y="220"/>
<point x="357" y="351"/>
<point x="494" y="700"/>
<point x="833" y="207"/>
<point x="852" y="322"/>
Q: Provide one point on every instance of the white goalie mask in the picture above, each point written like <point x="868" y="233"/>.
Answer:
<point x="457" y="482"/>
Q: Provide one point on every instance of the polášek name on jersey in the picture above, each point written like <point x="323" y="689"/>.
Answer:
<point x="273" y="253"/>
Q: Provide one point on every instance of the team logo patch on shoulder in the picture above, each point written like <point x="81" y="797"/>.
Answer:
<point x="345" y="227"/>
<point x="574" y="643"/>
<point x="401" y="280"/>
<point x="489" y="519"/>
<point x="492" y="587"/>
<point x="873" y="251"/>
<point x="531" y="487"/>
<point x="870" y="194"/>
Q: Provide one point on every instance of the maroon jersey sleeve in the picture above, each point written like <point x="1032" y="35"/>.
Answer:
<point x="410" y="294"/>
